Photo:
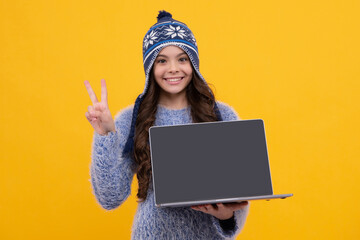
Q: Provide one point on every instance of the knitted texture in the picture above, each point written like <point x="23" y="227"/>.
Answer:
<point x="112" y="174"/>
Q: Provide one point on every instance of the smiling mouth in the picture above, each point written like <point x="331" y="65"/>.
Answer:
<point x="173" y="79"/>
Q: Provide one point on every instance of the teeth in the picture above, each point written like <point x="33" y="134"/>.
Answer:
<point x="173" y="79"/>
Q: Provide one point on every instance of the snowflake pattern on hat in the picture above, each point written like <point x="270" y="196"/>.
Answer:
<point x="166" y="32"/>
<point x="193" y="38"/>
<point x="175" y="31"/>
<point x="149" y="39"/>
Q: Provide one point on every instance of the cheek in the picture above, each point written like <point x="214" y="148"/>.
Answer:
<point x="189" y="70"/>
<point x="158" y="73"/>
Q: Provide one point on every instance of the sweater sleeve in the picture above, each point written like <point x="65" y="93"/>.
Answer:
<point x="229" y="114"/>
<point x="111" y="173"/>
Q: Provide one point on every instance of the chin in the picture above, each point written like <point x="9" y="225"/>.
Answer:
<point x="173" y="92"/>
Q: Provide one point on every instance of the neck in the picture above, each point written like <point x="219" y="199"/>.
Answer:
<point x="173" y="101"/>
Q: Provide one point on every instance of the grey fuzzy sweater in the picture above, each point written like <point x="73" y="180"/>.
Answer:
<point x="112" y="174"/>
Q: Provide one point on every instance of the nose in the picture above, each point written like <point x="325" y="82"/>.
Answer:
<point x="173" y="68"/>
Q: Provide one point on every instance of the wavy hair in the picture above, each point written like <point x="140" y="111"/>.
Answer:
<point x="202" y="102"/>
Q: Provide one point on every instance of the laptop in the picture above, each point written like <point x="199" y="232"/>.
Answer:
<point x="208" y="163"/>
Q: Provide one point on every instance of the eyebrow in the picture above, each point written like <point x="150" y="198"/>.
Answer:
<point x="160" y="55"/>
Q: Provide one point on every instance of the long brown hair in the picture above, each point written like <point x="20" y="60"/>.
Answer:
<point x="202" y="102"/>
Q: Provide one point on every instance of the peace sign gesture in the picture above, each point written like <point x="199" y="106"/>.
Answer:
<point x="99" y="114"/>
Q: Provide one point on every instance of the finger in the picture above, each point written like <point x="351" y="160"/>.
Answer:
<point x="201" y="208"/>
<point x="211" y="209"/>
<point x="93" y="112"/>
<point x="99" y="107"/>
<point x="214" y="205"/>
<point x="90" y="92"/>
<point x="227" y="206"/>
<point x="243" y="205"/>
<point x="91" y="109"/>
<point x="103" y="91"/>
<point x="87" y="115"/>
<point x="221" y="206"/>
<point x="90" y="118"/>
<point x="237" y="206"/>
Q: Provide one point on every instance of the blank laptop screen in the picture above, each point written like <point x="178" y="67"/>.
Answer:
<point x="209" y="161"/>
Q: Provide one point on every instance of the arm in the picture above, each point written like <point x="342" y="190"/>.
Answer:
<point x="111" y="173"/>
<point x="232" y="226"/>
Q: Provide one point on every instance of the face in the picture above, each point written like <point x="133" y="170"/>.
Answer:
<point x="172" y="71"/>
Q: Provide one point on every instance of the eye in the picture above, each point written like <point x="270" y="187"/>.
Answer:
<point x="161" y="60"/>
<point x="184" y="59"/>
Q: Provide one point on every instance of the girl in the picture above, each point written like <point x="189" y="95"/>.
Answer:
<point x="175" y="93"/>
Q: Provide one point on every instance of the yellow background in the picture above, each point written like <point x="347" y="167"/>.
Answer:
<point x="294" y="64"/>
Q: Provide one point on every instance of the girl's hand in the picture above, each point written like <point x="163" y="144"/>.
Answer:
<point x="220" y="210"/>
<point x="99" y="114"/>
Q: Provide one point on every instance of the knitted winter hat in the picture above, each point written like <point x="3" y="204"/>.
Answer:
<point x="165" y="32"/>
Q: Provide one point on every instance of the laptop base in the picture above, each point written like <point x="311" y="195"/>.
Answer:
<point x="227" y="200"/>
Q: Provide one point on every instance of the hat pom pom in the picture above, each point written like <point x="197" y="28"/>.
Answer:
<point x="163" y="14"/>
